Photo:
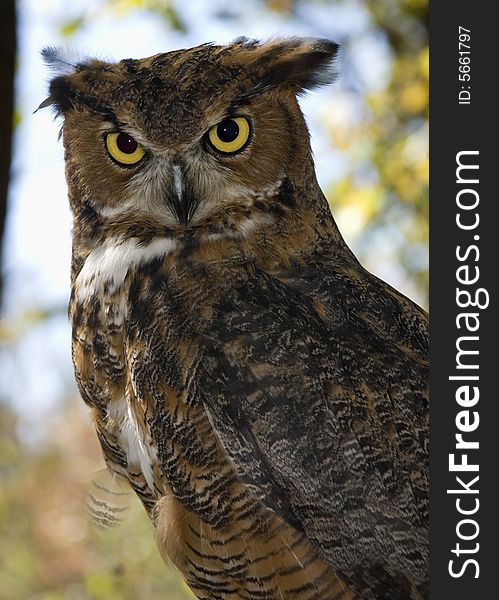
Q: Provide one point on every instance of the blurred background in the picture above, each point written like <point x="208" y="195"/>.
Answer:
<point x="370" y="141"/>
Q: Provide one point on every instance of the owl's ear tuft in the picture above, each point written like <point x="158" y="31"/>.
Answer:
<point x="63" y="62"/>
<point x="298" y="63"/>
<point x="61" y="95"/>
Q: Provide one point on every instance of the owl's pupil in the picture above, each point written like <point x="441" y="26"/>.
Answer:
<point x="126" y="143"/>
<point x="228" y="130"/>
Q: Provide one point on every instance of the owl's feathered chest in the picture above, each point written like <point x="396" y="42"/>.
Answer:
<point x="139" y="310"/>
<point x="126" y="295"/>
<point x="197" y="362"/>
<point x="136" y="349"/>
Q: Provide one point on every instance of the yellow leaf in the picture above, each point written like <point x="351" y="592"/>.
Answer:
<point x="414" y="97"/>
<point x="424" y="63"/>
<point x="71" y="27"/>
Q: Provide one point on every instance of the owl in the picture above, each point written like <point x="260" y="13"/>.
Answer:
<point x="263" y="394"/>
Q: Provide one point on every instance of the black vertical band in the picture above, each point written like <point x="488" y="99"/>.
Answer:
<point x="463" y="300"/>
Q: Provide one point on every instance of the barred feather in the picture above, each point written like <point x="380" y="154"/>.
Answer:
<point x="108" y="499"/>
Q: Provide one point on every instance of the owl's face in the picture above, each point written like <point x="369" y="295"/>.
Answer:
<point x="188" y="138"/>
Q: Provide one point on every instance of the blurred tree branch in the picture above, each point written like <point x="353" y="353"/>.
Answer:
<point x="7" y="67"/>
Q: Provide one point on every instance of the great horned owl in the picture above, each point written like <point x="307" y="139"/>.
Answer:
<point x="264" y="395"/>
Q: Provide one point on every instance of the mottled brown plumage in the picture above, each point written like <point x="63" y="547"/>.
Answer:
<point x="265" y="396"/>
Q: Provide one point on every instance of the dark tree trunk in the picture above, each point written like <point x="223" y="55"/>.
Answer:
<point x="7" y="66"/>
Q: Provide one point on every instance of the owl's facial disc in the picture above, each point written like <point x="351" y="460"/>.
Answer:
<point x="182" y="184"/>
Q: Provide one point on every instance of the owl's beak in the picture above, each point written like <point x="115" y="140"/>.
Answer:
<point x="182" y="200"/>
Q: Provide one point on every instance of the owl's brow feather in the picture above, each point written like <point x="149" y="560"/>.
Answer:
<point x="104" y="111"/>
<point x="245" y="98"/>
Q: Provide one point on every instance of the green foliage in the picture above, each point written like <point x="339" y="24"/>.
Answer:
<point x="17" y="118"/>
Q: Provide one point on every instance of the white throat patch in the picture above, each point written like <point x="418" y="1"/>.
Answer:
<point x="110" y="263"/>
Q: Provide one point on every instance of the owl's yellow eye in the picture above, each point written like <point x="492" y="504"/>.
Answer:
<point x="123" y="148"/>
<point x="230" y="135"/>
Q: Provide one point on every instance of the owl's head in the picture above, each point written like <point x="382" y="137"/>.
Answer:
<point x="209" y="139"/>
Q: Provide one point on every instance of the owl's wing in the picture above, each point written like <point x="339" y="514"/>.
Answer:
<point x="316" y="383"/>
